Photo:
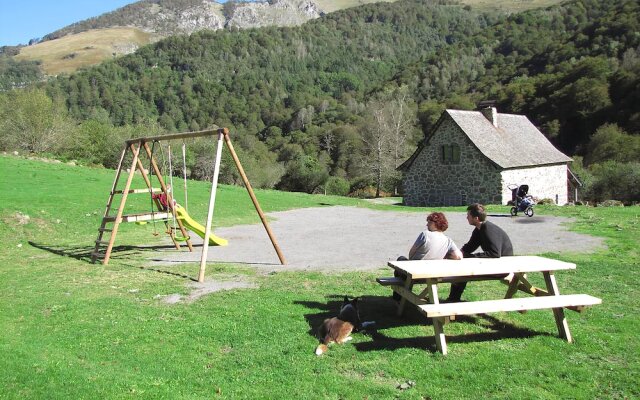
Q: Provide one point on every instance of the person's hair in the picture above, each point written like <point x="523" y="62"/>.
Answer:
<point x="477" y="210"/>
<point x="440" y="220"/>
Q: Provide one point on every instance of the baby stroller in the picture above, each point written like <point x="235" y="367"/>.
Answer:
<point x="522" y="201"/>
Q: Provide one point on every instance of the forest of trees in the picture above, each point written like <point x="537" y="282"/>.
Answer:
<point x="336" y="104"/>
<point x="17" y="74"/>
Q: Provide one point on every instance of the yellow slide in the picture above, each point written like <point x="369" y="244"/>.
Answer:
<point x="192" y="225"/>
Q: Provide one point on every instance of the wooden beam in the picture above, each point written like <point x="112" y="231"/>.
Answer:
<point x="513" y="304"/>
<point x="139" y="191"/>
<point x="212" y="202"/>
<point x="468" y="267"/>
<point x="558" y="313"/>
<point x="227" y="140"/>
<point x="116" y="223"/>
<point x="145" y="217"/>
<point x="438" y="323"/>
<point x="174" y="136"/>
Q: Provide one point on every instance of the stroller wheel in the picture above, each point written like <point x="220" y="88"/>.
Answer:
<point x="529" y="212"/>
<point x="514" y="211"/>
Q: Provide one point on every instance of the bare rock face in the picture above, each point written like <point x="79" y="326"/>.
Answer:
<point x="165" y="21"/>
<point x="278" y="13"/>
<point x="174" y="17"/>
<point x="162" y="19"/>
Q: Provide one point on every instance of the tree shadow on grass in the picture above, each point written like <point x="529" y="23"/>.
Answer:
<point x="120" y="253"/>
<point x="83" y="253"/>
<point x="383" y="309"/>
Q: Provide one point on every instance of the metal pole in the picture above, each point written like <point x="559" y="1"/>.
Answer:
<point x="212" y="200"/>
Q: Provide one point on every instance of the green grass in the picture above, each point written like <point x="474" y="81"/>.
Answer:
<point x="71" y="329"/>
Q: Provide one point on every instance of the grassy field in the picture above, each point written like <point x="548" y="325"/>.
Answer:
<point x="71" y="329"/>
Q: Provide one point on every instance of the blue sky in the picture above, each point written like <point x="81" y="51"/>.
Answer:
<point x="23" y="20"/>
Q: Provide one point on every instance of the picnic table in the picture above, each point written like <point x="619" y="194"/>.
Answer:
<point x="510" y="270"/>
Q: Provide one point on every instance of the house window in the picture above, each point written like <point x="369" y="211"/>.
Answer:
<point x="450" y="153"/>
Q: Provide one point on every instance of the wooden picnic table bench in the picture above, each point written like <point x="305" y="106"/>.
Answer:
<point x="510" y="270"/>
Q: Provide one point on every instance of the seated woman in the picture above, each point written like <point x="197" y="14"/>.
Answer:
<point x="432" y="244"/>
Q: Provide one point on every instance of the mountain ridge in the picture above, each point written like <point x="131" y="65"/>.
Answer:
<point x="159" y="19"/>
<point x="162" y="18"/>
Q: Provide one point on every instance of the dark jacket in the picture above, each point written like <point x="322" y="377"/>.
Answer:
<point x="494" y="242"/>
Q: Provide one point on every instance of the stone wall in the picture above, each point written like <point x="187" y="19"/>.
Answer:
<point x="549" y="181"/>
<point x="430" y="181"/>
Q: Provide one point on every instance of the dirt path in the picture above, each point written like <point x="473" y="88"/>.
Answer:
<point x="347" y="238"/>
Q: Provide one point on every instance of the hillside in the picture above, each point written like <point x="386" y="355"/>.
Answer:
<point x="162" y="18"/>
<point x="72" y="52"/>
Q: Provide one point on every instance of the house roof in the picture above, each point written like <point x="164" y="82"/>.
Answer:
<point x="516" y="142"/>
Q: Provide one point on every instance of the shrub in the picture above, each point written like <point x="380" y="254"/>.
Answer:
<point x="611" y="203"/>
<point x="610" y="142"/>
<point x="95" y="143"/>
<point x="614" y="180"/>
<point x="368" y="192"/>
<point x="304" y="174"/>
<point x="546" y="200"/>
<point x="360" y="183"/>
<point x="31" y="122"/>
<point x="337" y="186"/>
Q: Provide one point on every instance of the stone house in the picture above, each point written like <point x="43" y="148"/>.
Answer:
<point x="474" y="156"/>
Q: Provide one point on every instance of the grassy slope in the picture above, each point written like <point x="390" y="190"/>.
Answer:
<point x="94" y="46"/>
<point x="509" y="6"/>
<point x="67" y="54"/>
<point x="71" y="329"/>
<point x="335" y="5"/>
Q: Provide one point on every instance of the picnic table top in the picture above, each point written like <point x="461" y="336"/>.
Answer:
<point x="429" y="269"/>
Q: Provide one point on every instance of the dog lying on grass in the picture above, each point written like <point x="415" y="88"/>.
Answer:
<point x="338" y="329"/>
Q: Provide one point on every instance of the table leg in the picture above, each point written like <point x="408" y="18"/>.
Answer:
<point x="520" y="282"/>
<point x="438" y="323"/>
<point x="558" y="313"/>
<point x="441" y="343"/>
<point x="513" y="286"/>
<point x="408" y="284"/>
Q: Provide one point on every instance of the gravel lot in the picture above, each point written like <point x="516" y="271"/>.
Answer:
<point x="338" y="239"/>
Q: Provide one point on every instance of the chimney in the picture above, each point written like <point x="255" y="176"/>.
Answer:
<point x="491" y="113"/>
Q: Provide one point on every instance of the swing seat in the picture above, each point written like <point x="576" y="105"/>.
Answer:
<point x="141" y="222"/>
<point x="182" y="238"/>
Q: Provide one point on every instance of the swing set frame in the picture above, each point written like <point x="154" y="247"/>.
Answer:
<point x="104" y="247"/>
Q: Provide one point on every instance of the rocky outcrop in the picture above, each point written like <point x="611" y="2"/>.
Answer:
<point x="170" y="17"/>
<point x="278" y="13"/>
<point x="165" y="21"/>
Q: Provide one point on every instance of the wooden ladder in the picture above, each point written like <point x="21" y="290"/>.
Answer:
<point x="107" y="235"/>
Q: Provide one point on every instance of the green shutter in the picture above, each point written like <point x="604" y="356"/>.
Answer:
<point x="455" y="153"/>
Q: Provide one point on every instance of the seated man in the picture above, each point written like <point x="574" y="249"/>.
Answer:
<point x="493" y="241"/>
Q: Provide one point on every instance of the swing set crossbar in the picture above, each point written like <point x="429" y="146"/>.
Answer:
<point x="174" y="136"/>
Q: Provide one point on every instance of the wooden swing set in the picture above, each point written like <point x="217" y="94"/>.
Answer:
<point x="164" y="207"/>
